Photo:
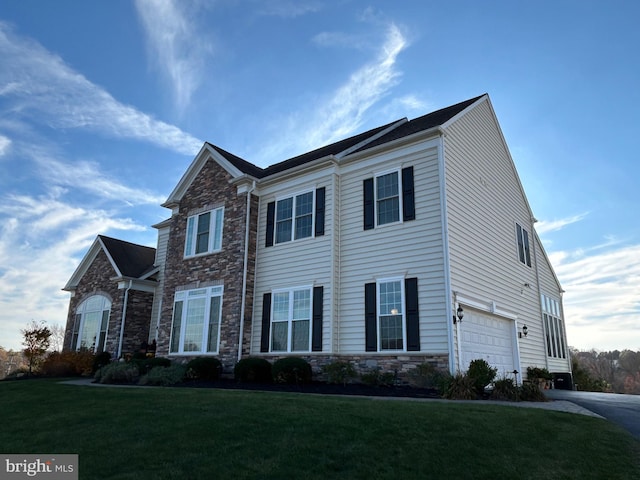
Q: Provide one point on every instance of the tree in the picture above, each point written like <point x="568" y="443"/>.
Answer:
<point x="36" y="342"/>
<point x="57" y="337"/>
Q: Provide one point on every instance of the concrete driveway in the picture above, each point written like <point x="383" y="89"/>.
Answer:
<point x="623" y="410"/>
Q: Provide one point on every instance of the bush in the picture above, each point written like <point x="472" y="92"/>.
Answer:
<point x="118" y="373"/>
<point x="204" y="368"/>
<point x="291" y="370"/>
<point x="68" y="364"/>
<point x="253" y="370"/>
<point x="530" y="392"/>
<point x="339" y="372"/>
<point x="146" y="364"/>
<point x="505" y="389"/>
<point x="534" y="373"/>
<point x="460" y="387"/>
<point x="164" y="376"/>
<point x="100" y="360"/>
<point x="481" y="374"/>
<point x="377" y="378"/>
<point x="426" y="375"/>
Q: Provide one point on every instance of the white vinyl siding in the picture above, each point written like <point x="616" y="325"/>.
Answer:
<point x="306" y="261"/>
<point x="407" y="249"/>
<point x="484" y="198"/>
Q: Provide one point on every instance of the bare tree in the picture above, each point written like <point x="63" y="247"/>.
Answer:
<point x="57" y="337"/>
<point x="36" y="342"/>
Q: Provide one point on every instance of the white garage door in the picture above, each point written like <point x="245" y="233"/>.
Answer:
<point x="490" y="338"/>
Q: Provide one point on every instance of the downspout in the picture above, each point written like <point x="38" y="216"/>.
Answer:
<point x="245" y="268"/>
<point x="445" y="248"/>
<point x="124" y="314"/>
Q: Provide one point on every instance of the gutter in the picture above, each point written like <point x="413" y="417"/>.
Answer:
<point x="124" y="314"/>
<point x="245" y="268"/>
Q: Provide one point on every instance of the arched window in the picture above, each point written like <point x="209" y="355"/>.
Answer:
<point x="90" y="324"/>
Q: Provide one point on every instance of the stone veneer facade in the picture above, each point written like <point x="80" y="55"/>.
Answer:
<point x="97" y="280"/>
<point x="211" y="189"/>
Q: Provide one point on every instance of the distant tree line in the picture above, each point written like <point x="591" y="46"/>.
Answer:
<point x="614" y="371"/>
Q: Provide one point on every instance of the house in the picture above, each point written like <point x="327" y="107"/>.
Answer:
<point x="409" y="243"/>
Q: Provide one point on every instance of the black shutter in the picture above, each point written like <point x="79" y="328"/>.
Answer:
<point x="271" y="221"/>
<point x="320" y="194"/>
<point x="266" y="322"/>
<point x="408" y="195"/>
<point x="525" y="241"/>
<point x="370" y="329"/>
<point x="413" y="319"/>
<point x="316" y="333"/>
<point x="369" y="208"/>
<point x="520" y="243"/>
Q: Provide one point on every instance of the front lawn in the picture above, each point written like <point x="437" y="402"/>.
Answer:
<point x="181" y="433"/>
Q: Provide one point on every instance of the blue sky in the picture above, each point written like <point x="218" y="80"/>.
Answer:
<point x="103" y="105"/>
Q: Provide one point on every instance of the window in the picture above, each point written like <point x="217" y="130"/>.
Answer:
<point x="296" y="217"/>
<point x="292" y="320"/>
<point x="196" y="321"/>
<point x="90" y="324"/>
<point x="204" y="233"/>
<point x="524" y="254"/>
<point x="553" y="328"/>
<point x="389" y="198"/>
<point x="392" y="320"/>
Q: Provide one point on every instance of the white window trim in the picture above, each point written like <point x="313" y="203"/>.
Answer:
<point x="290" y="320"/>
<point x="526" y="248"/>
<point x="183" y="296"/>
<point x="397" y="171"/>
<point x="213" y="233"/>
<point x="82" y="311"/>
<point x="293" y="216"/>
<point x="553" y="327"/>
<point x="403" y="302"/>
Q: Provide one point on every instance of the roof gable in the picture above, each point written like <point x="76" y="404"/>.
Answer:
<point x="127" y="259"/>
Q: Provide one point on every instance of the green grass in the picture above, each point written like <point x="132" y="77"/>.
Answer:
<point x="172" y="433"/>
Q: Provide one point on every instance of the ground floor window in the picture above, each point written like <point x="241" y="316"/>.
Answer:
<point x="390" y="314"/>
<point x="196" y="320"/>
<point x="553" y="328"/>
<point x="291" y="320"/>
<point x="90" y="324"/>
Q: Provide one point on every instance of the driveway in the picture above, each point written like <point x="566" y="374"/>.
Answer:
<point x="623" y="410"/>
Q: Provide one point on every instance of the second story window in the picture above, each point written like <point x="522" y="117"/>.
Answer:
<point x="389" y="198"/>
<point x="204" y="233"/>
<point x="524" y="253"/>
<point x="295" y="217"/>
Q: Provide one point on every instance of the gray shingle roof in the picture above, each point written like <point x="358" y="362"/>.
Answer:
<point x="407" y="128"/>
<point x="131" y="259"/>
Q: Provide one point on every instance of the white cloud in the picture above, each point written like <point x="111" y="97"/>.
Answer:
<point x="289" y="8"/>
<point x="602" y="301"/>
<point x="40" y="82"/>
<point x="179" y="47"/>
<point x="545" y="226"/>
<point x="42" y="239"/>
<point x="5" y="145"/>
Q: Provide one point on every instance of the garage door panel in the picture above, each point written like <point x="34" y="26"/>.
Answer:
<point x="489" y="338"/>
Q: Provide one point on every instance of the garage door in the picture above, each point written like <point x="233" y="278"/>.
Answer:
<point x="487" y="337"/>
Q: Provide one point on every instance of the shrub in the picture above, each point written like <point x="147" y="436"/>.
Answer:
<point x="253" y="370"/>
<point x="68" y="364"/>
<point x="534" y="373"/>
<point x="427" y="375"/>
<point x="145" y="365"/>
<point x="505" y="389"/>
<point x="100" y="360"/>
<point x="204" y="368"/>
<point x="460" y="387"/>
<point x="377" y="378"/>
<point x="118" y="373"/>
<point x="339" y="372"/>
<point x="291" y="370"/>
<point x="529" y="392"/>
<point x="481" y="374"/>
<point x="164" y="376"/>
